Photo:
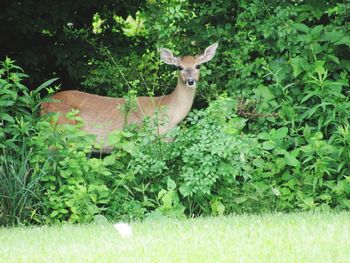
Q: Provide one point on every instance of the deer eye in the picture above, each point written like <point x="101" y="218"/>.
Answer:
<point x="198" y="66"/>
<point x="180" y="68"/>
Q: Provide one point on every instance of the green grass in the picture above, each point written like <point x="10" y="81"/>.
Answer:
<point x="268" y="238"/>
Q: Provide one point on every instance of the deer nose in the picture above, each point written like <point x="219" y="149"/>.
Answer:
<point x="191" y="82"/>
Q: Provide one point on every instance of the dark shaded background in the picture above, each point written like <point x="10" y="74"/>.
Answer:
<point x="34" y="34"/>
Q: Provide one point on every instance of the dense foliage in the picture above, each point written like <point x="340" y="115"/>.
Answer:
<point x="270" y="130"/>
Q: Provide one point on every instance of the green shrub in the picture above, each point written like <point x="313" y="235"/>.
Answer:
<point x="274" y="134"/>
<point x="19" y="181"/>
<point x="212" y="156"/>
<point x="78" y="186"/>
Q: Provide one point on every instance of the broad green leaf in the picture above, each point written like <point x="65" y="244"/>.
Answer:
<point x="97" y="23"/>
<point x="171" y="185"/>
<point x="333" y="36"/>
<point x="316" y="31"/>
<point x="129" y="147"/>
<point x="264" y="92"/>
<point x="346" y="202"/>
<point x="344" y="41"/>
<point x="134" y="27"/>
<point x="290" y="160"/>
<point x="217" y="208"/>
<point x="93" y="197"/>
<point x="269" y="145"/>
<point x="319" y="67"/>
<point x="264" y="136"/>
<point x="169" y="199"/>
<point x="7" y="117"/>
<point x="307" y="132"/>
<point x="162" y="193"/>
<point x="309" y="202"/>
<point x="54" y="213"/>
<point x="305" y="38"/>
<point x="295" y="152"/>
<point x="301" y="27"/>
<point x="317" y="48"/>
<point x="185" y="190"/>
<point x="334" y="59"/>
<point x="280" y="133"/>
<point x="109" y="160"/>
<point x="296" y="64"/>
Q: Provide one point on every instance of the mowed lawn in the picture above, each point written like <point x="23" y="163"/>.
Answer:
<point x="293" y="238"/>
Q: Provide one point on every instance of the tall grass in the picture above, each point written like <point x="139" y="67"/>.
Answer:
<point x="18" y="185"/>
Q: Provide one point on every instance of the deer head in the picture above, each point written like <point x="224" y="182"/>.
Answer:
<point x="188" y="65"/>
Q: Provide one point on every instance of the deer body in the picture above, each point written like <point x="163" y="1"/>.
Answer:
<point x="102" y="115"/>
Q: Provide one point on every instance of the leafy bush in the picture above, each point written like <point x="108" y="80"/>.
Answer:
<point x="19" y="181"/>
<point x="274" y="134"/>
<point x="213" y="155"/>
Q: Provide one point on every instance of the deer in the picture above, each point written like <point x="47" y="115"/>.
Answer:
<point x="102" y="115"/>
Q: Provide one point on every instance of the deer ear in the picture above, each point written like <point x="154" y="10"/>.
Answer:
<point x="168" y="57"/>
<point x="209" y="53"/>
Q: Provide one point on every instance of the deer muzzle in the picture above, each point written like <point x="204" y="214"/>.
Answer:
<point x="191" y="82"/>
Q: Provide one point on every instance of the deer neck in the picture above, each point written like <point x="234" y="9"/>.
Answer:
<point x="181" y="102"/>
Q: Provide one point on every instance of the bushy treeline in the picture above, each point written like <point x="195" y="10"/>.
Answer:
<point x="270" y="130"/>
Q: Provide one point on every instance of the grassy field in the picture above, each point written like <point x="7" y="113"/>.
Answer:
<point x="269" y="238"/>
